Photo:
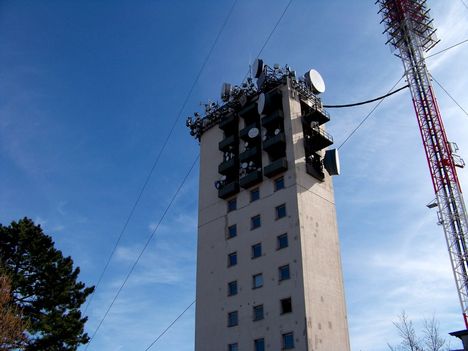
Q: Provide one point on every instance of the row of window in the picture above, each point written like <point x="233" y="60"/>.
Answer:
<point x="256" y="221"/>
<point x="255" y="194"/>
<point x="256" y="249"/>
<point x="258" y="312"/>
<point x="287" y="340"/>
<point x="257" y="280"/>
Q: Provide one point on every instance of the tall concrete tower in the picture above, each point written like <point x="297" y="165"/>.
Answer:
<point x="269" y="270"/>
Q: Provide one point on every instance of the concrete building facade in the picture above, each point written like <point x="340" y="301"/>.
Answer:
<point x="268" y="264"/>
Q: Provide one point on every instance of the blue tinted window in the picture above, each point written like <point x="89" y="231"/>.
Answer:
<point x="257" y="281"/>
<point x="232" y="288"/>
<point x="232" y="205"/>
<point x="254" y="194"/>
<point x="256" y="250"/>
<point x="233" y="319"/>
<point x="259" y="344"/>
<point x="282" y="241"/>
<point x="232" y="259"/>
<point x="255" y="222"/>
<point x="233" y="347"/>
<point x="279" y="183"/>
<point x="281" y="211"/>
<point x="284" y="272"/>
<point x="232" y="231"/>
<point x="288" y="341"/>
<point x="258" y="312"/>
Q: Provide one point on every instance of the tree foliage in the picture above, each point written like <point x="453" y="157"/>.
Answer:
<point x="44" y="287"/>
<point x="430" y="341"/>
<point x="12" y="327"/>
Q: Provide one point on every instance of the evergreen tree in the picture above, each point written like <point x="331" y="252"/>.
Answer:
<point x="44" y="287"/>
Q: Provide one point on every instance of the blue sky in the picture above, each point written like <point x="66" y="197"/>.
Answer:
<point x="89" y="90"/>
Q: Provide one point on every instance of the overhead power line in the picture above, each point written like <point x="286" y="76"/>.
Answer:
<point x="143" y="249"/>
<point x="449" y="95"/>
<point x="259" y="53"/>
<point x="448" y="48"/>
<point x="169" y="326"/>
<point x="273" y="30"/>
<point x="367" y="101"/>
<point x="369" y="114"/>
<point x="163" y="147"/>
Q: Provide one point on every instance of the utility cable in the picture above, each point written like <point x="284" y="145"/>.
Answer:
<point x="448" y="48"/>
<point x="449" y="95"/>
<point x="259" y="53"/>
<point x="367" y="101"/>
<point x="369" y="114"/>
<point x="132" y="268"/>
<point x="464" y="4"/>
<point x="169" y="326"/>
<point x="163" y="147"/>
<point x="267" y="40"/>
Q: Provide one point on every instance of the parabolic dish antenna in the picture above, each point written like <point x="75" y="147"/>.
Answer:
<point x="244" y="165"/>
<point x="226" y="90"/>
<point x="315" y="81"/>
<point x="257" y="67"/>
<point x="261" y="102"/>
<point x="253" y="133"/>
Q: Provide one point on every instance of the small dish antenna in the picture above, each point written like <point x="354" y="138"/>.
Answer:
<point x="261" y="103"/>
<point x="277" y="131"/>
<point x="244" y="165"/>
<point x="257" y="67"/>
<point x="218" y="184"/>
<point x="315" y="81"/>
<point x="253" y="133"/>
<point x="226" y="91"/>
<point x="223" y="178"/>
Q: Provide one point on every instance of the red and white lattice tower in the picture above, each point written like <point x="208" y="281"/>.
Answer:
<point x="410" y="33"/>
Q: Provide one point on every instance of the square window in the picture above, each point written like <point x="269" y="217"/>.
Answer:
<point x="232" y="205"/>
<point x="259" y="344"/>
<point x="232" y="288"/>
<point x="279" y="183"/>
<point x="233" y="319"/>
<point x="232" y="231"/>
<point x="284" y="272"/>
<point x="257" y="281"/>
<point x="233" y="347"/>
<point x="255" y="222"/>
<point x="256" y="250"/>
<point x="258" y="313"/>
<point x="286" y="305"/>
<point x="280" y="211"/>
<point x="288" y="341"/>
<point x="254" y="194"/>
<point x="282" y="241"/>
<point x="232" y="259"/>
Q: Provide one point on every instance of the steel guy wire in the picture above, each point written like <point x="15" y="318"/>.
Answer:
<point x="449" y="95"/>
<point x="135" y="263"/>
<point x="163" y="147"/>
<point x="369" y="114"/>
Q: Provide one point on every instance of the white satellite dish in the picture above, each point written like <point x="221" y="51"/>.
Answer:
<point x="251" y="163"/>
<point x="223" y="178"/>
<point x="331" y="162"/>
<point x="244" y="165"/>
<point x="257" y="67"/>
<point x="315" y="81"/>
<point x="226" y="90"/>
<point x="217" y="184"/>
<point x="261" y="103"/>
<point x="277" y="131"/>
<point x="246" y="144"/>
<point x="253" y="133"/>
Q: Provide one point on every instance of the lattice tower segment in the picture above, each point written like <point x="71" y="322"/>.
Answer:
<point x="410" y="34"/>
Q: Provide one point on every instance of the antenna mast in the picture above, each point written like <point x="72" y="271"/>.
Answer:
<point x="410" y="34"/>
